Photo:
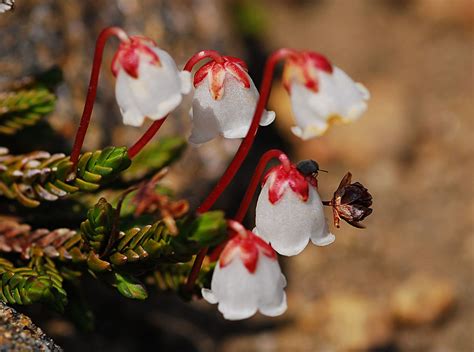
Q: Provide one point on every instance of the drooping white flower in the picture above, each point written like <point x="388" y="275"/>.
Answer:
<point x="321" y="94"/>
<point x="148" y="81"/>
<point x="247" y="278"/>
<point x="6" y="5"/>
<point x="289" y="210"/>
<point x="224" y="101"/>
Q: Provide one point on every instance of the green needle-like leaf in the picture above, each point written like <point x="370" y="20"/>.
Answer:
<point x="155" y="157"/>
<point x="130" y="287"/>
<point x="24" y="108"/>
<point x="40" y="176"/>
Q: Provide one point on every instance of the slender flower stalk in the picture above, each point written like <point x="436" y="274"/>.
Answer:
<point x="255" y="181"/>
<point x="147" y="136"/>
<point x="204" y="54"/>
<point x="265" y="88"/>
<point x="247" y="142"/>
<point x="92" y="90"/>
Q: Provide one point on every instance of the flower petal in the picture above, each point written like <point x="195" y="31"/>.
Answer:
<point x="154" y="93"/>
<point x="229" y="116"/>
<point x="238" y="73"/>
<point x="272" y="300"/>
<point x="240" y="293"/>
<point x="216" y="77"/>
<point x="324" y="237"/>
<point x="205" y="127"/>
<point x="289" y="223"/>
<point x="132" y="116"/>
<point x="186" y="84"/>
<point x="236" y="289"/>
<point x="209" y="296"/>
<point x="338" y="98"/>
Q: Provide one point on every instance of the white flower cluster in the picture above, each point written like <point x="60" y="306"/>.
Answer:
<point x="289" y="213"/>
<point x="247" y="277"/>
<point x="149" y="84"/>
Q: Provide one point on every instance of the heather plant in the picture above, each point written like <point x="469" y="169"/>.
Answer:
<point x="130" y="232"/>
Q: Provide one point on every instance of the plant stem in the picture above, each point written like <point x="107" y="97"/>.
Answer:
<point x="246" y="144"/>
<point x="265" y="88"/>
<point x="204" y="54"/>
<point x="244" y="205"/>
<point x="147" y="136"/>
<point x="254" y="182"/>
<point x="92" y="90"/>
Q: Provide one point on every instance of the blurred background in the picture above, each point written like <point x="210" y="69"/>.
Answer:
<point x="403" y="284"/>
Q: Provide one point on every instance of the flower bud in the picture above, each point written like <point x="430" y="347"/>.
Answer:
<point x="247" y="278"/>
<point x="351" y="202"/>
<point x="224" y="101"/>
<point x="289" y="210"/>
<point x="321" y="94"/>
<point x="148" y="81"/>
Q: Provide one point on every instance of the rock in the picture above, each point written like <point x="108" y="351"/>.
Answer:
<point x="350" y="322"/>
<point x="422" y="300"/>
<point x="18" y="333"/>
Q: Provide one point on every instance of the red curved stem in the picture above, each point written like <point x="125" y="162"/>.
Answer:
<point x="147" y="136"/>
<point x="265" y="88"/>
<point x="246" y="144"/>
<point x="255" y="181"/>
<point x="244" y="205"/>
<point x="92" y="90"/>
<point x="204" y="54"/>
<point x="193" y="275"/>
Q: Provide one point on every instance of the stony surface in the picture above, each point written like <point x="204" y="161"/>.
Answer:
<point x="18" y="333"/>
<point x="422" y="300"/>
<point x="349" y="322"/>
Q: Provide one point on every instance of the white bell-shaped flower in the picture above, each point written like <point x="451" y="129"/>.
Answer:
<point x="224" y="101"/>
<point x="6" y="5"/>
<point x="148" y="81"/>
<point x="289" y="210"/>
<point x="247" y="278"/>
<point x="321" y="94"/>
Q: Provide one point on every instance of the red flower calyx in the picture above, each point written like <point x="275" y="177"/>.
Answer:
<point x="215" y="71"/>
<point x="131" y="53"/>
<point x="247" y="245"/>
<point x="303" y="67"/>
<point x="286" y="176"/>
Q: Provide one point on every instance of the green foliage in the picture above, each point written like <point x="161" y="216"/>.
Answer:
<point x="98" y="225"/>
<point x="39" y="281"/>
<point x="130" y="287"/>
<point x="155" y="157"/>
<point x="101" y="249"/>
<point x="24" y="108"/>
<point x="30" y="178"/>
<point x="207" y="227"/>
<point x="151" y="240"/>
<point x="141" y="248"/>
<point x="173" y="277"/>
